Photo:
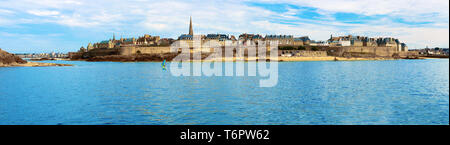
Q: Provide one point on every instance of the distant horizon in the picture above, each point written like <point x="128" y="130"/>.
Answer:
<point x="76" y="49"/>
<point x="66" y="25"/>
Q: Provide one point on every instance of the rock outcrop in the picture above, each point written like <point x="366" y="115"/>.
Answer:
<point x="8" y="58"/>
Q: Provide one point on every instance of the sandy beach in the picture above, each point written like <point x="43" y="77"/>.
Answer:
<point x="331" y="58"/>
<point x="32" y="64"/>
<point x="289" y="59"/>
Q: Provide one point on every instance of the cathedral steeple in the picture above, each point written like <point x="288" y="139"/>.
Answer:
<point x="191" y="31"/>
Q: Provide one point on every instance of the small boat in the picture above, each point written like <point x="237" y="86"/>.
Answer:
<point x="163" y="64"/>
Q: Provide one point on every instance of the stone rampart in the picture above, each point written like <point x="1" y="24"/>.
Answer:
<point x="302" y="53"/>
<point x="353" y="51"/>
<point x="131" y="50"/>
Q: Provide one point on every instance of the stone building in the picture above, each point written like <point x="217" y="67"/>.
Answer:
<point x="82" y="49"/>
<point x="250" y="38"/>
<point x="360" y="41"/>
<point x="301" y="41"/>
<point x="254" y="37"/>
<point x="403" y="47"/>
<point x="105" y="44"/>
<point x="90" y="47"/>
<point x="283" y="40"/>
<point x="148" y="40"/>
<point x="219" y="37"/>
<point x="319" y="43"/>
<point x="165" y="41"/>
<point x="214" y="39"/>
<point x="388" y="42"/>
<point x="370" y="42"/>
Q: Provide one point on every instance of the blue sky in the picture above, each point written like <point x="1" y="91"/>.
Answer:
<point x="66" y="25"/>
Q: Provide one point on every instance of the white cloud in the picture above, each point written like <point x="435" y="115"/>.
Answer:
<point x="4" y="11"/>
<point x="376" y="7"/>
<point x="43" y="12"/>
<point x="156" y="26"/>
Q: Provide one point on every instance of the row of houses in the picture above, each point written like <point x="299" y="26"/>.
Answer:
<point x="433" y="51"/>
<point x="283" y="40"/>
<point x="361" y="41"/>
<point x="290" y="40"/>
<point x="42" y="55"/>
<point x="146" y="40"/>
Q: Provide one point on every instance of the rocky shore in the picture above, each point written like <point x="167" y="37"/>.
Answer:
<point x="42" y="59"/>
<point x="11" y="60"/>
<point x="139" y="57"/>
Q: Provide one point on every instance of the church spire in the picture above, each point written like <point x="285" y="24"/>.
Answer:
<point x="191" y="32"/>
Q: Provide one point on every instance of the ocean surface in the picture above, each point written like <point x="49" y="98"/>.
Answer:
<point x="322" y="92"/>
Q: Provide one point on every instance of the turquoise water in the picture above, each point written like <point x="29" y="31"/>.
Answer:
<point x="358" y="92"/>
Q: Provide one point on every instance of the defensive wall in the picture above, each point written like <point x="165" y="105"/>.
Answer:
<point x="346" y="51"/>
<point x="303" y="53"/>
<point x="366" y="51"/>
<point x="131" y="50"/>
